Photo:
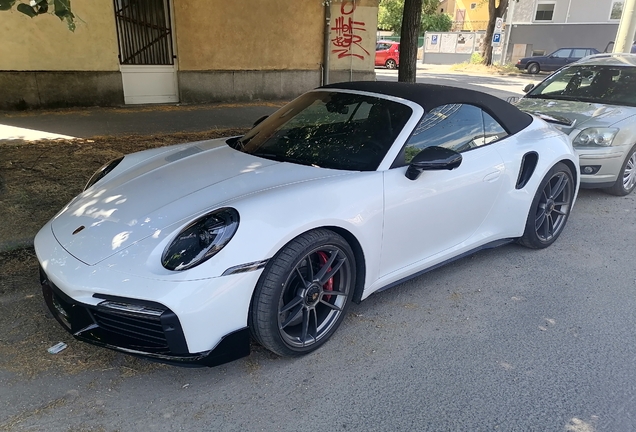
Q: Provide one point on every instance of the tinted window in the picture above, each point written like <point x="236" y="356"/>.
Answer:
<point x="330" y="130"/>
<point x="493" y="130"/>
<point x="457" y="127"/>
<point x="382" y="46"/>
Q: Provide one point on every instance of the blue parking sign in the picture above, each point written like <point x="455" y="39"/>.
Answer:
<point x="496" y="39"/>
<point x="434" y="39"/>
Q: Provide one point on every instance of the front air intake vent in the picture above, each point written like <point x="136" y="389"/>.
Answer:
<point x="140" y="331"/>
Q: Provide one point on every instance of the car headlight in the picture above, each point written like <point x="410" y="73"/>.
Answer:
<point x="201" y="240"/>
<point x="103" y="172"/>
<point x="595" y="137"/>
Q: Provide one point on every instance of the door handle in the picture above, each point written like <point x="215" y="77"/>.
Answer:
<point x="491" y="177"/>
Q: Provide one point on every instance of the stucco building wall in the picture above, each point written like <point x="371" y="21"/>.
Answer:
<point x="225" y="50"/>
<point x="43" y="63"/>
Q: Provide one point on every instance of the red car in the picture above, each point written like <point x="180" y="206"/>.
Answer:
<point x="387" y="53"/>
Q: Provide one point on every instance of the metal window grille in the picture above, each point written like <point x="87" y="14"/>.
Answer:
<point x="144" y="32"/>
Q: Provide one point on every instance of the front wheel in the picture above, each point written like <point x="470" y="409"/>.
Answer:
<point x="550" y="208"/>
<point x="303" y="294"/>
<point x="626" y="180"/>
<point x="390" y="64"/>
<point x="533" y="68"/>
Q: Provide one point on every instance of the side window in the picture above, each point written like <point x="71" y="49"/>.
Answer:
<point x="493" y="130"/>
<point x="564" y="53"/>
<point x="578" y="53"/>
<point x="459" y="127"/>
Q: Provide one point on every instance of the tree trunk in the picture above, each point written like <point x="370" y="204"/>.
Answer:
<point x="493" y="14"/>
<point x="411" y="20"/>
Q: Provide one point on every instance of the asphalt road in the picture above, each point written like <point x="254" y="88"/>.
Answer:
<point x="509" y="339"/>
<point x="502" y="86"/>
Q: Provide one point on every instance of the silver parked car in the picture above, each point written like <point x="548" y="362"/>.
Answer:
<point x="594" y="102"/>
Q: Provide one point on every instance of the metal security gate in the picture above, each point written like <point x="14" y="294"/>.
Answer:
<point x="146" y="51"/>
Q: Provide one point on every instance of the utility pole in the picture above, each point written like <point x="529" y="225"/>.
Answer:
<point x="626" y="28"/>
<point x="509" y="17"/>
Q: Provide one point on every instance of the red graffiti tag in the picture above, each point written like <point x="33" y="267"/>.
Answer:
<point x="346" y="29"/>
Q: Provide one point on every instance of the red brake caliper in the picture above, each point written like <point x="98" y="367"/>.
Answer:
<point x="323" y="258"/>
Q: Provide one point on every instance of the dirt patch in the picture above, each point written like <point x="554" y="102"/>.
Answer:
<point x="480" y="69"/>
<point x="38" y="178"/>
<point x="28" y="329"/>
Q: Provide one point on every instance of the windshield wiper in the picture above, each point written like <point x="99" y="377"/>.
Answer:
<point x="555" y="119"/>
<point x="558" y="97"/>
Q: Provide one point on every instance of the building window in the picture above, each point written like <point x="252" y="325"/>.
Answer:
<point x="473" y="5"/>
<point x="545" y="12"/>
<point x="616" y="11"/>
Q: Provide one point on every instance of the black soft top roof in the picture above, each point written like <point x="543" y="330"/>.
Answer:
<point x="430" y="96"/>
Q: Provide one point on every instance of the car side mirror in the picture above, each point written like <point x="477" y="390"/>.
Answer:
<point x="527" y="88"/>
<point x="433" y="159"/>
<point x="259" y="121"/>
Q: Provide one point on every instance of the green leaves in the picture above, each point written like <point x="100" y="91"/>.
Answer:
<point x="63" y="12"/>
<point x="27" y="10"/>
<point x="62" y="9"/>
<point x="6" y="4"/>
<point x="390" y="16"/>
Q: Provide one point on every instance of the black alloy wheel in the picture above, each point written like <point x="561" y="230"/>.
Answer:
<point x="550" y="208"/>
<point x="303" y="293"/>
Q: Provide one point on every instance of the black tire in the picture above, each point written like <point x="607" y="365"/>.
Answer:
<point x="294" y="310"/>
<point x="390" y="64"/>
<point x="533" y="68"/>
<point x="626" y="180"/>
<point x="550" y="208"/>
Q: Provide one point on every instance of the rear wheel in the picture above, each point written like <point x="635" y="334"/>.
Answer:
<point x="390" y="64"/>
<point x="550" y="208"/>
<point x="533" y="68"/>
<point x="303" y="294"/>
<point x="626" y="180"/>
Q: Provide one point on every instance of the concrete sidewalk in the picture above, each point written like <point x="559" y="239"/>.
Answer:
<point x="129" y="120"/>
<point x="161" y="119"/>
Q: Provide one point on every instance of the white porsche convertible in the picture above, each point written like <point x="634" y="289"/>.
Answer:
<point x="183" y="253"/>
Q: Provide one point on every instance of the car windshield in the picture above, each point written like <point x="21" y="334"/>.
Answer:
<point x="612" y="85"/>
<point x="329" y="130"/>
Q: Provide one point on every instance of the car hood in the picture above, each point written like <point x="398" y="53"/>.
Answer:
<point x="174" y="186"/>
<point x="586" y="114"/>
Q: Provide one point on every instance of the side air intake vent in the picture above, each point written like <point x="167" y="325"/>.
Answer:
<point x="528" y="164"/>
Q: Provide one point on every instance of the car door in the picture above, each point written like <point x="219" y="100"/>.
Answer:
<point x="577" y="54"/>
<point x="381" y="52"/>
<point x="556" y="60"/>
<point x="440" y="209"/>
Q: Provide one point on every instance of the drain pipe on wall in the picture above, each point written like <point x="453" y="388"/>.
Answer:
<point x="325" y="55"/>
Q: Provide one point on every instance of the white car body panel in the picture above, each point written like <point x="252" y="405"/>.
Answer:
<point x="402" y="226"/>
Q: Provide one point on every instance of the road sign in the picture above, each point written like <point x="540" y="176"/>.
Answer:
<point x="433" y="39"/>
<point x="498" y="25"/>
<point x="496" y="39"/>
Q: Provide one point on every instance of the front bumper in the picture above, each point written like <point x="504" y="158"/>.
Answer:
<point x="200" y="322"/>
<point x="153" y="331"/>
<point x="606" y="162"/>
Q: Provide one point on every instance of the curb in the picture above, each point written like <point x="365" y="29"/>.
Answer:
<point x="12" y="245"/>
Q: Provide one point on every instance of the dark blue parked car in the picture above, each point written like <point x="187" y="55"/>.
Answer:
<point x="554" y="61"/>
